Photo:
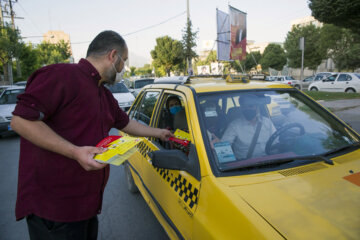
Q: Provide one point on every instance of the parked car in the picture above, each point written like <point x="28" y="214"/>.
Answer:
<point x="3" y="87"/>
<point x="307" y="81"/>
<point x="289" y="80"/>
<point x="270" y="78"/>
<point x="322" y="75"/>
<point x="21" y="83"/>
<point x="122" y="95"/>
<point x="8" y="99"/>
<point x="305" y="185"/>
<point x="136" y="84"/>
<point x="338" y="82"/>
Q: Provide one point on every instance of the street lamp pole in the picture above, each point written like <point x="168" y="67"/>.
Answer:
<point x="302" y="48"/>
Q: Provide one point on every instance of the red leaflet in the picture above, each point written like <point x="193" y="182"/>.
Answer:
<point x="179" y="141"/>
<point x="107" y="141"/>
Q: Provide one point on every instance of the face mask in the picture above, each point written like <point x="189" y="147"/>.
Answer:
<point x="175" y="109"/>
<point x="119" y="75"/>
<point x="249" y="114"/>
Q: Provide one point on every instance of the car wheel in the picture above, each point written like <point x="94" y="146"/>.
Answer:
<point x="314" y="89"/>
<point x="350" y="90"/>
<point x="129" y="179"/>
<point x="297" y="87"/>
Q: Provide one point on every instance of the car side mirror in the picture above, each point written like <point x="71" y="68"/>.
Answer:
<point x="177" y="160"/>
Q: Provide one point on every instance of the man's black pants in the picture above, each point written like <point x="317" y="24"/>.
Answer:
<point x="42" y="229"/>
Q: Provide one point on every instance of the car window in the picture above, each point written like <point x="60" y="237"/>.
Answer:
<point x="348" y="77"/>
<point x="357" y="75"/>
<point x="118" y="88"/>
<point x="141" y="83"/>
<point x="172" y="116"/>
<point x="331" y="78"/>
<point x="10" y="96"/>
<point x="143" y="111"/>
<point x="302" y="128"/>
<point x="342" y="77"/>
<point x="289" y="78"/>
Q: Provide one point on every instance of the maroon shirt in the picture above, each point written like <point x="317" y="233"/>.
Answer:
<point x="68" y="99"/>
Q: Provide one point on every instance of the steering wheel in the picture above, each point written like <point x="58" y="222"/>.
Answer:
<point x="280" y="131"/>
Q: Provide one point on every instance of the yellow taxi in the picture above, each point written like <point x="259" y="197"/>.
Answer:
<point x="249" y="160"/>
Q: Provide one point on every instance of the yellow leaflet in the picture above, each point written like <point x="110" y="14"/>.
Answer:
<point x="182" y="135"/>
<point x="119" y="151"/>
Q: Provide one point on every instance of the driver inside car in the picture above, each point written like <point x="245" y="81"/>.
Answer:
<point x="249" y="132"/>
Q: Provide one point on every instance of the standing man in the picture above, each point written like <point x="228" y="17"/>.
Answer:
<point x="64" y="112"/>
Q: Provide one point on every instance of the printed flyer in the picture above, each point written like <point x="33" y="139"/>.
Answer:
<point x="119" y="149"/>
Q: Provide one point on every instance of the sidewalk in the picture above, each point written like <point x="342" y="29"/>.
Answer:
<point x="340" y="105"/>
<point x="348" y="110"/>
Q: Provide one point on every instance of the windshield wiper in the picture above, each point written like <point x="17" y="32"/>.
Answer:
<point x="283" y="160"/>
<point x="354" y="145"/>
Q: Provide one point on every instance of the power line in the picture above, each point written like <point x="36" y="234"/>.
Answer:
<point x="142" y="29"/>
<point x="29" y="18"/>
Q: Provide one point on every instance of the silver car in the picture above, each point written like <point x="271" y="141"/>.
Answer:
<point x="8" y="99"/>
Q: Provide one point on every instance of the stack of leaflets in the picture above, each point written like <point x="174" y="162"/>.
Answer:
<point x="119" y="149"/>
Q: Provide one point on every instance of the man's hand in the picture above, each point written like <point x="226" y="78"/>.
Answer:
<point x="164" y="134"/>
<point x="85" y="157"/>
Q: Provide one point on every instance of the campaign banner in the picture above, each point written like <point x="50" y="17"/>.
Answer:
<point x="237" y="34"/>
<point x="217" y="68"/>
<point x="203" y="70"/>
<point x="223" y="35"/>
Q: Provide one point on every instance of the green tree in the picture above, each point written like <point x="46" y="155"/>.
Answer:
<point x="29" y="60"/>
<point x="10" y="47"/>
<point x="313" y="54"/>
<point x="168" y="53"/>
<point x="132" y="71"/>
<point x="342" y="13"/>
<point x="342" y="45"/>
<point x="145" y="70"/>
<point x="273" y="57"/>
<point x="50" y="53"/>
<point x="189" y="43"/>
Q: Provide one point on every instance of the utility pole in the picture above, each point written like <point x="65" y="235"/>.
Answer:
<point x="1" y="15"/>
<point x="18" y="67"/>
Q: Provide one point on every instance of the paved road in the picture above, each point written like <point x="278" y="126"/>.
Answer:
<point x="124" y="215"/>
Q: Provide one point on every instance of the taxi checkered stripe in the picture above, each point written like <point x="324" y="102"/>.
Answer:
<point x="185" y="189"/>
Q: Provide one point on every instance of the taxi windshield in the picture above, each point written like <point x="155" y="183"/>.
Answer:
<point x="250" y="128"/>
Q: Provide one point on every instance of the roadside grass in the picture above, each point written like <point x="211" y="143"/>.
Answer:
<point x="317" y="95"/>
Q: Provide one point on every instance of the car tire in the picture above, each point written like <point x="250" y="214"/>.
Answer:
<point x="350" y="90"/>
<point x="129" y="179"/>
<point x="314" y="89"/>
<point x="297" y="87"/>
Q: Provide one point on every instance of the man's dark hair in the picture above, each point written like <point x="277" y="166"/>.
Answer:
<point x="104" y="42"/>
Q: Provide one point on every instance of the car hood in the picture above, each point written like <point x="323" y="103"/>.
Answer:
<point x="316" y="201"/>
<point x="124" y="97"/>
<point x="6" y="109"/>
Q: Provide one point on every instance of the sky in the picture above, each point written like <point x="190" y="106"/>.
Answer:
<point x="267" y="21"/>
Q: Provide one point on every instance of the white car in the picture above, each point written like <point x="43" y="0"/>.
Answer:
<point x="338" y="82"/>
<point x="8" y="99"/>
<point x="289" y="80"/>
<point x="122" y="94"/>
<point x="136" y="84"/>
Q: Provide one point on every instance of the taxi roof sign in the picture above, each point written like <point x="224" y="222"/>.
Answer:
<point x="237" y="78"/>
